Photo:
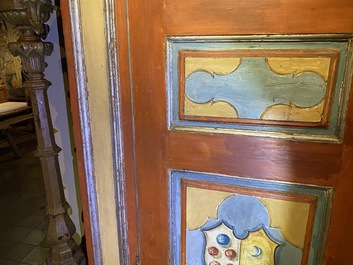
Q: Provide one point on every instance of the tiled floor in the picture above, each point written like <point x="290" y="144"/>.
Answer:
<point x="23" y="223"/>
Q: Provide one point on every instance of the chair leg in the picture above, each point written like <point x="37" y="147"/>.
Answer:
<point x="13" y="145"/>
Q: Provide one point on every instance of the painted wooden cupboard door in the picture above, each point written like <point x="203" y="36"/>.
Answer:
<point x="238" y="119"/>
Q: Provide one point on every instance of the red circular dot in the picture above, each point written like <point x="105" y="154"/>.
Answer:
<point x="214" y="263"/>
<point x="230" y="253"/>
<point x="213" y="251"/>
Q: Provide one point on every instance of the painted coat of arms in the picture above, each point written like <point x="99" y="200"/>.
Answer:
<point x="241" y="235"/>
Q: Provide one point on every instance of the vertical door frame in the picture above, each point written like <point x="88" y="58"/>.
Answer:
<point x="79" y="34"/>
<point x="72" y="64"/>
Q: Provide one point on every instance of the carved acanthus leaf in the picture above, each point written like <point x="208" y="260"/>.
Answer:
<point x="10" y="66"/>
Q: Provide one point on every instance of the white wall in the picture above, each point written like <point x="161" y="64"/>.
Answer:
<point x="62" y="125"/>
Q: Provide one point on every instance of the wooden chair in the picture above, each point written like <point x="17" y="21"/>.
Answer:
<point x="12" y="113"/>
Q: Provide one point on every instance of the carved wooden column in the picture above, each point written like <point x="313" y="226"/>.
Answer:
<point x="31" y="15"/>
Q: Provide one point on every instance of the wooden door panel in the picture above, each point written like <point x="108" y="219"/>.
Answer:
<point x="208" y="17"/>
<point x="290" y="87"/>
<point x="162" y="152"/>
<point x="222" y="211"/>
<point x="261" y="158"/>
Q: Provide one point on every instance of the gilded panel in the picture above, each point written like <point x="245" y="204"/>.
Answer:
<point x="10" y="66"/>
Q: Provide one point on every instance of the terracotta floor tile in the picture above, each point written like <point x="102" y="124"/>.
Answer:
<point x="16" y="234"/>
<point x="7" y="262"/>
<point x="34" y="237"/>
<point x="5" y="247"/>
<point x="22" y="204"/>
<point x="33" y="221"/>
<point x="43" y="226"/>
<point x="18" y="252"/>
<point x="36" y="256"/>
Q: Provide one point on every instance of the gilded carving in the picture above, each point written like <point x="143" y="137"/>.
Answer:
<point x="32" y="55"/>
<point x="10" y="66"/>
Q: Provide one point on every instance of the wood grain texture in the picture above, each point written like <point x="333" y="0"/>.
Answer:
<point x="147" y="69"/>
<point x="127" y="132"/>
<point x="339" y="241"/>
<point x="255" y="157"/>
<point x="201" y="17"/>
<point x="157" y="149"/>
<point x="69" y="52"/>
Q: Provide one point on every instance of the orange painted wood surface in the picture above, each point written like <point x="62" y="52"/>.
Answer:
<point x="127" y="130"/>
<point x="70" y="59"/>
<point x="200" y="17"/>
<point x="150" y="149"/>
<point x="158" y="149"/>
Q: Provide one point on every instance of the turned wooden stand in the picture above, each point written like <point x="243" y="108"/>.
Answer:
<point x="30" y="16"/>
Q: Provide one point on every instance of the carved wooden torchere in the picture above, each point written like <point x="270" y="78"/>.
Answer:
<point x="30" y="16"/>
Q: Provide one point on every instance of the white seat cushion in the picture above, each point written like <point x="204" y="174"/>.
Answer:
<point x="6" y="107"/>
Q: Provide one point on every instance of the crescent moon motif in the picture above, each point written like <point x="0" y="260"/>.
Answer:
<point x="258" y="252"/>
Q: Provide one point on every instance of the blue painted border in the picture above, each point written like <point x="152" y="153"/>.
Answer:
<point x="324" y="199"/>
<point x="333" y="133"/>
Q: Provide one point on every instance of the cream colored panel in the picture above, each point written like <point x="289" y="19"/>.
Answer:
<point x="219" y="66"/>
<point x="93" y="28"/>
<point x="218" y="109"/>
<point x="293" y="113"/>
<point x="258" y="249"/>
<point x="290" y="217"/>
<point x="202" y="204"/>
<point x="286" y="66"/>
